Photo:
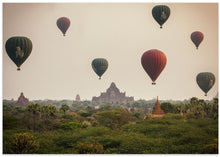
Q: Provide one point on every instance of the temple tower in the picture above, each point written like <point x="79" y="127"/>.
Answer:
<point x="78" y="98"/>
<point x="157" y="111"/>
<point x="22" y="101"/>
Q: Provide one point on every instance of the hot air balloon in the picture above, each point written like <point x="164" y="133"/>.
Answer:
<point x="63" y="24"/>
<point x="205" y="81"/>
<point x="99" y="65"/>
<point x="197" y="38"/>
<point x="153" y="62"/>
<point x="18" y="49"/>
<point x="161" y="13"/>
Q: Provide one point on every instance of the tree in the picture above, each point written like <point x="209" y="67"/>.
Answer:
<point x="23" y="143"/>
<point x="48" y="111"/>
<point x="64" y="108"/>
<point x="53" y="110"/>
<point x="137" y="115"/>
<point x="199" y="111"/>
<point x="215" y="101"/>
<point x="114" y="119"/>
<point x="7" y="109"/>
<point x="194" y="101"/>
<point x="10" y="122"/>
<point x="76" y="107"/>
<point x="70" y="126"/>
<point x="215" y="108"/>
<point x="105" y="108"/>
<point x="207" y="109"/>
<point x="167" y="107"/>
<point x="84" y="113"/>
<point x="90" y="148"/>
<point x="34" y="109"/>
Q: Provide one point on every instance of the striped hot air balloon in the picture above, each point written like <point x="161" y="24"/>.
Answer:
<point x="153" y="62"/>
<point x="18" y="49"/>
<point x="100" y="65"/>
<point x="205" y="81"/>
<point x="161" y="13"/>
<point x="197" y="37"/>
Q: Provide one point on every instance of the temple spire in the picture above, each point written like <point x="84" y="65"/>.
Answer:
<point x="157" y="111"/>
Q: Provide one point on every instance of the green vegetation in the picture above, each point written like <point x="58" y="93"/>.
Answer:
<point x="111" y="130"/>
<point x="23" y="143"/>
<point x="64" y="108"/>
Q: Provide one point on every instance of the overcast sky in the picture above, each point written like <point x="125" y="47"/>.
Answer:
<point x="60" y="67"/>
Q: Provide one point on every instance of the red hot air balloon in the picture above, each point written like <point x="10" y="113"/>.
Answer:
<point x="153" y="62"/>
<point x="63" y="24"/>
<point x="197" y="38"/>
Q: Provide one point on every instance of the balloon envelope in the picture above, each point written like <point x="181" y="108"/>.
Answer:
<point x="100" y="65"/>
<point x="63" y="24"/>
<point x="153" y="62"/>
<point x="205" y="81"/>
<point x="197" y="37"/>
<point x="161" y="13"/>
<point x="18" y="49"/>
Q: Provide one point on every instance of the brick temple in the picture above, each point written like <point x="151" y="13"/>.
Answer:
<point x="22" y="101"/>
<point x="157" y="111"/>
<point x="113" y="95"/>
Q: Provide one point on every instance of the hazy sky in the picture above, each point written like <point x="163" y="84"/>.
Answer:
<point x="60" y="67"/>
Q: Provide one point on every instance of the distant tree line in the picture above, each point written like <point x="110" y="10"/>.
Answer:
<point x="196" y="108"/>
<point x="111" y="129"/>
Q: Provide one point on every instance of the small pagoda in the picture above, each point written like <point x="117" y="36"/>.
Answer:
<point x="157" y="111"/>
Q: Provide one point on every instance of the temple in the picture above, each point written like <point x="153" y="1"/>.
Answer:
<point x="78" y="98"/>
<point x="157" y="111"/>
<point x="113" y="96"/>
<point x="22" y="101"/>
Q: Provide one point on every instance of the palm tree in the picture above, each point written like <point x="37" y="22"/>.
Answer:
<point x="34" y="109"/>
<point x="52" y="110"/>
<point x="48" y="111"/>
<point x="64" y="108"/>
<point x="215" y="101"/>
<point x="215" y="108"/>
<point x="194" y="101"/>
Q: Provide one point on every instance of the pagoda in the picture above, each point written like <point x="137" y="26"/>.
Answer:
<point x="157" y="111"/>
<point x="22" y="101"/>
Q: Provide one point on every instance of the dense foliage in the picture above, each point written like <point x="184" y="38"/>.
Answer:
<point x="44" y="129"/>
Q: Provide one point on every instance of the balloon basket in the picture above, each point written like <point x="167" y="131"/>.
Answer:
<point x="18" y="69"/>
<point x="153" y="83"/>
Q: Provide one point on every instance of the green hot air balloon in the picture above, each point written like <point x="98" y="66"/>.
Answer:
<point x="205" y="81"/>
<point x="100" y="65"/>
<point x="18" y="49"/>
<point x="161" y="13"/>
